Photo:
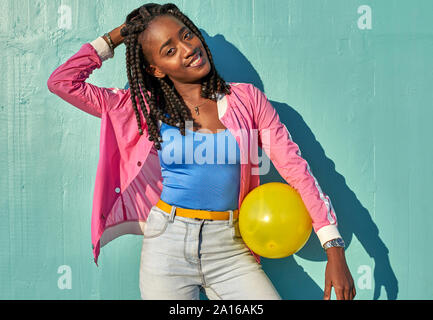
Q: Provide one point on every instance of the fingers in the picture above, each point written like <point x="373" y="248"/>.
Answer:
<point x="327" y="291"/>
<point x="339" y="293"/>
<point x="348" y="294"/>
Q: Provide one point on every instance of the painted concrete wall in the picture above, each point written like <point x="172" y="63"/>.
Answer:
<point x="352" y="81"/>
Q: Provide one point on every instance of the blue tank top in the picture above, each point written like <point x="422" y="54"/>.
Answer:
<point x="199" y="170"/>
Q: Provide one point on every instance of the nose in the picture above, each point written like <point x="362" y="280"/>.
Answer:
<point x="189" y="50"/>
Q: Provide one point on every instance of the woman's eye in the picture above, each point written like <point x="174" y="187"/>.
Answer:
<point x="190" y="33"/>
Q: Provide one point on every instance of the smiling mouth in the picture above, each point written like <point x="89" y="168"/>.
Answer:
<point x="197" y="61"/>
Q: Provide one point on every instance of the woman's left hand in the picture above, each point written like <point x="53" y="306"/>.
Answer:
<point x="337" y="275"/>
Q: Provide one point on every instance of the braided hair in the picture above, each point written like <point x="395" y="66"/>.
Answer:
<point x="164" y="97"/>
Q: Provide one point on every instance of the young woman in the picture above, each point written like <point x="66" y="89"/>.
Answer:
<point x="187" y="209"/>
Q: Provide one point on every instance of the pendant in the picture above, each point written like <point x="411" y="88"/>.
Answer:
<point x="196" y="110"/>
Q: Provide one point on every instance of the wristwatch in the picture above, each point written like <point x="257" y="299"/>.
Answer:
<point x="338" y="242"/>
<point x="110" y="42"/>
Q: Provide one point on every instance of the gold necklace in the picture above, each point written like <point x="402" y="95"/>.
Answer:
<point x="196" y="107"/>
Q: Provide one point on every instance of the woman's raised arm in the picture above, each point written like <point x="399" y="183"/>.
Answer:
<point x="68" y="80"/>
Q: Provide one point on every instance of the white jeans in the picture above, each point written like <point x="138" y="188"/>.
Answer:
<point x="182" y="255"/>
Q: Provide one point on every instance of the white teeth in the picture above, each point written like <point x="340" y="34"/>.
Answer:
<point x="194" y="63"/>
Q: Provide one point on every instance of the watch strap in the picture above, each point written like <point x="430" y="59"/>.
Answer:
<point x="337" y="242"/>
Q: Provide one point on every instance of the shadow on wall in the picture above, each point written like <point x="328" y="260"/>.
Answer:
<point x="289" y="278"/>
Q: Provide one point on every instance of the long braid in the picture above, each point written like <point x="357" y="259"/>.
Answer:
<point x="164" y="97"/>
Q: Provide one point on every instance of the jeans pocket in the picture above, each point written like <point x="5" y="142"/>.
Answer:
<point x="156" y="224"/>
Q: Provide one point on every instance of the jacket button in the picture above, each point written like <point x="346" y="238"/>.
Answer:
<point x="117" y="190"/>
<point x="139" y="163"/>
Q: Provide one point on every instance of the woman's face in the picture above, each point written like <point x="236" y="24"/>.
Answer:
<point x="171" y="49"/>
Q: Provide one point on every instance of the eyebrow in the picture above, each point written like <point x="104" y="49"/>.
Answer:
<point x="169" y="40"/>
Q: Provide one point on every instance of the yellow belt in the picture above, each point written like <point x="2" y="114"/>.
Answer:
<point x="199" y="214"/>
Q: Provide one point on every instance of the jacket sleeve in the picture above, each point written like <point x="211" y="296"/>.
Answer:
<point x="276" y="141"/>
<point x="68" y="80"/>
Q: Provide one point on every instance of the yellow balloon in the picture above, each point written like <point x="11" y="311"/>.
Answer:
<point x="273" y="220"/>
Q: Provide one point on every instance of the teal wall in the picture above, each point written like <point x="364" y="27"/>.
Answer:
<point x="358" y="101"/>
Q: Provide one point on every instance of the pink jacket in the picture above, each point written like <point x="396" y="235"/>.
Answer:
<point x="128" y="177"/>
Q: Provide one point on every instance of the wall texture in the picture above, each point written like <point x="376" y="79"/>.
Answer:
<point x="352" y="81"/>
